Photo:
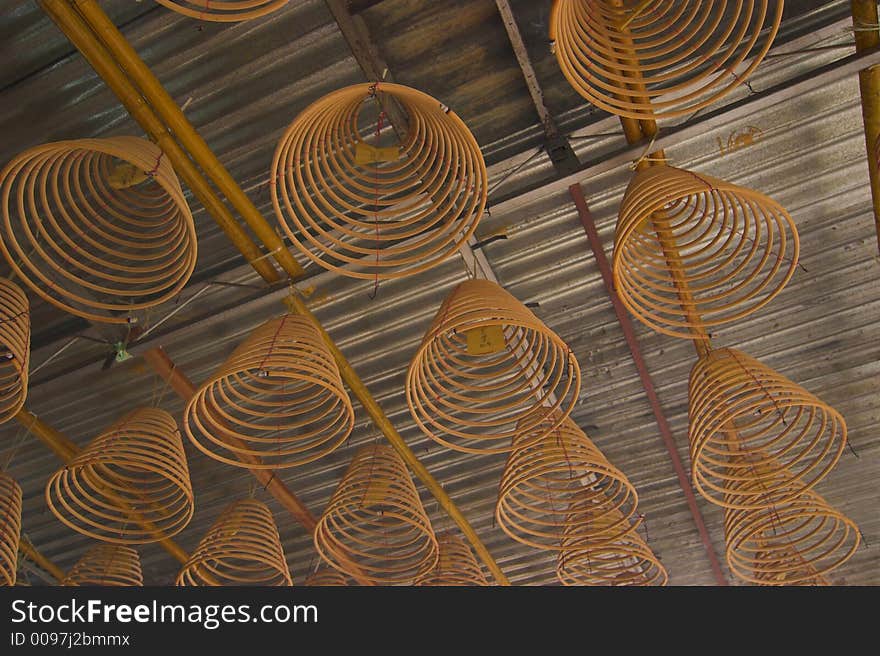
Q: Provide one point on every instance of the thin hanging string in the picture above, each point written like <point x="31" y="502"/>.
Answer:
<point x="380" y="121"/>
<point x="17" y="443"/>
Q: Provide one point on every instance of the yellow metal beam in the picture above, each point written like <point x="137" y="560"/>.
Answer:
<point x="865" y="25"/>
<point x="30" y="552"/>
<point x="79" y="34"/>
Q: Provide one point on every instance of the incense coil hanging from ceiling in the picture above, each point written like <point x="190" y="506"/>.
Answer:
<point x="15" y="349"/>
<point x="673" y="58"/>
<point x="278" y="397"/>
<point x="224" y="11"/>
<point x="10" y="528"/>
<point x="99" y="228"/>
<point x="375" y="526"/>
<point x="107" y="564"/>
<point x="795" y="541"/>
<point x="732" y="248"/>
<point x="624" y="560"/>
<point x="748" y="423"/>
<point x="326" y="577"/>
<point x="456" y="565"/>
<point x="374" y="211"/>
<point x="487" y="370"/>
<point x="242" y="547"/>
<point x="562" y="485"/>
<point x="129" y="485"/>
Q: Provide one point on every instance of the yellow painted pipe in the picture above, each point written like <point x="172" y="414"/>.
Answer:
<point x="30" y="552"/>
<point x="66" y="450"/>
<point x="126" y="57"/>
<point x="99" y="57"/>
<point x="865" y="22"/>
<point x="83" y="38"/>
<point x="296" y="304"/>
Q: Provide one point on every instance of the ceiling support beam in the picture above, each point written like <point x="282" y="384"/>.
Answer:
<point x="30" y="552"/>
<point x="867" y="34"/>
<point x="67" y="450"/>
<point x="561" y="154"/>
<point x="623" y="318"/>
<point x="82" y="29"/>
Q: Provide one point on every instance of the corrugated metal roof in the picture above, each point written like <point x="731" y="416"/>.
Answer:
<point x="248" y="81"/>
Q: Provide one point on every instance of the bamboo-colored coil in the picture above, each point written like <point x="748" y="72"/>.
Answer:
<point x="107" y="564"/>
<point x="98" y="227"/>
<point x="129" y="485"/>
<point x="456" y="565"/>
<point x="625" y="560"/>
<point x="278" y="396"/>
<point x="673" y="58"/>
<point x="562" y="485"/>
<point x="749" y="423"/>
<point x="373" y="214"/>
<point x="241" y="548"/>
<point x="734" y="250"/>
<point x="224" y="11"/>
<point x="326" y="577"/>
<point x="476" y="399"/>
<point x="375" y="526"/>
<point x="795" y="541"/>
<point x="10" y="528"/>
<point x="15" y="349"/>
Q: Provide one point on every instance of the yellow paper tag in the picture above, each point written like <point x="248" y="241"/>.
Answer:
<point x="126" y="175"/>
<point x="484" y="340"/>
<point x="377" y="492"/>
<point x="364" y="153"/>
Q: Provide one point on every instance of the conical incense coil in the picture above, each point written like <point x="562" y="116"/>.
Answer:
<point x="278" y="396"/>
<point x="107" y="564"/>
<point x="487" y="370"/>
<point x="731" y="248"/>
<point x="626" y="560"/>
<point x="456" y="565"/>
<point x="224" y="11"/>
<point x="369" y="209"/>
<point x="15" y="349"/>
<point x="375" y="526"/>
<point x="793" y="542"/>
<point x="562" y="485"/>
<point x="241" y="548"/>
<point x="750" y="423"/>
<point x="130" y="485"/>
<point x="10" y="528"/>
<point x="663" y="58"/>
<point x="326" y="577"/>
<point x="97" y="227"/>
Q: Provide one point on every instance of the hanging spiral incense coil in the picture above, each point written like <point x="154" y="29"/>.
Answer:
<point x="673" y="57"/>
<point x="224" y="11"/>
<point x="794" y="541"/>
<point x="241" y="548"/>
<point x="456" y="565"/>
<point x="278" y="396"/>
<point x="130" y="485"/>
<point x="562" y="485"/>
<point x="733" y="249"/>
<point x="378" y="213"/>
<point x="10" y="528"/>
<point x="15" y="349"/>
<point x="487" y="370"/>
<point x="107" y="564"/>
<point x="748" y="424"/>
<point x="97" y="227"/>
<point x="375" y="526"/>
<point x="326" y="577"/>
<point x="625" y="560"/>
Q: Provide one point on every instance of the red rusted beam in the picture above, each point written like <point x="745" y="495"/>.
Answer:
<point x="629" y="334"/>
